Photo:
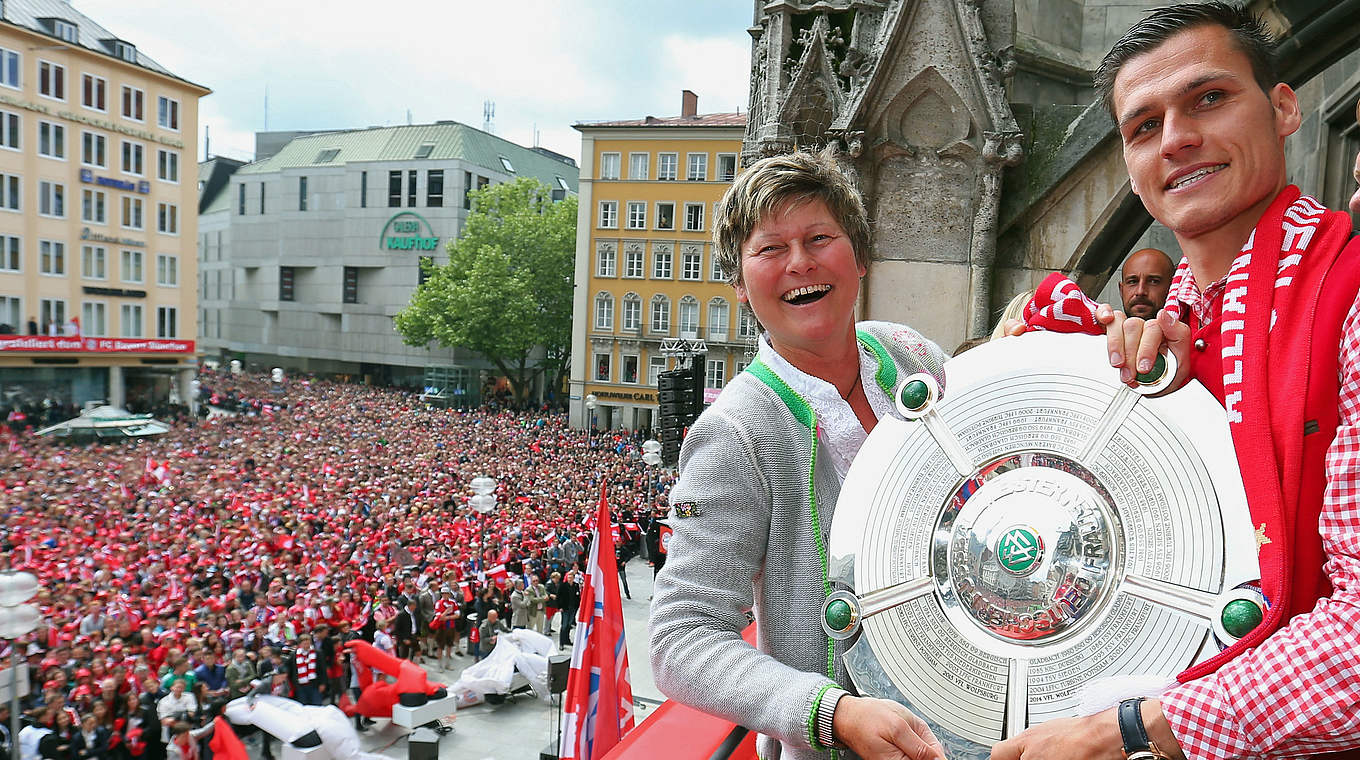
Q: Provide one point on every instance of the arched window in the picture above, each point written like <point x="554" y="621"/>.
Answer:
<point x="632" y="312"/>
<point x="749" y="327"/>
<point x="689" y="317"/>
<point x="604" y="311"/>
<point x="661" y="314"/>
<point x="718" y="312"/>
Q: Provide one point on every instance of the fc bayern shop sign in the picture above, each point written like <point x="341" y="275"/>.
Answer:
<point x="73" y="344"/>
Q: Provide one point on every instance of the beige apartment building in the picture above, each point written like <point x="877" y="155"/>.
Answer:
<point x="98" y="214"/>
<point x="644" y="261"/>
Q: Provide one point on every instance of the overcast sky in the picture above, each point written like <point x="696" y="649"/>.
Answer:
<point x="334" y="64"/>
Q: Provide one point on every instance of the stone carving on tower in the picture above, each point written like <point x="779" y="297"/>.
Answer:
<point x="913" y="92"/>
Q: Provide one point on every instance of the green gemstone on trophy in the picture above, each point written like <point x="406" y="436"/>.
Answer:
<point x="1241" y="616"/>
<point x="838" y="615"/>
<point x="915" y="394"/>
<point x="1154" y="374"/>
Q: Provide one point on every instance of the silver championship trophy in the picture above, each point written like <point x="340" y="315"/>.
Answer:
<point x="1036" y="528"/>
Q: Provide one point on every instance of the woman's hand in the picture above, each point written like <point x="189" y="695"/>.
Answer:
<point x="883" y="729"/>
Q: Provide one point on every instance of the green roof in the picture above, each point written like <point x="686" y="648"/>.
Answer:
<point x="448" y="140"/>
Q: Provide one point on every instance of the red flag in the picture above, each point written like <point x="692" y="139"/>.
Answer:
<point x="599" y="706"/>
<point x="224" y="743"/>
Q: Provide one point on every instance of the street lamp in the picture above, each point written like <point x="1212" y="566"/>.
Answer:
<point x="591" y="403"/>
<point x="16" y="619"/>
<point x="651" y="456"/>
<point x="483" y="501"/>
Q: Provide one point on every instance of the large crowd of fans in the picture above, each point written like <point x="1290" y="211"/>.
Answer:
<point x="237" y="554"/>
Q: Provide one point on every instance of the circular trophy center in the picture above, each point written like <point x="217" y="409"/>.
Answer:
<point x="1030" y="551"/>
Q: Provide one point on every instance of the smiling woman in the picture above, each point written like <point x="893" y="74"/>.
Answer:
<point x="760" y="471"/>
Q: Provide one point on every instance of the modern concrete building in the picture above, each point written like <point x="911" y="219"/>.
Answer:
<point x="644" y="260"/>
<point x="310" y="251"/>
<point x="97" y="213"/>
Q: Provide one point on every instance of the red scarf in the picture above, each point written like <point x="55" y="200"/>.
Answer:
<point x="1273" y="309"/>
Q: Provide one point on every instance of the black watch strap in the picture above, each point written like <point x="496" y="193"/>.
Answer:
<point x="1131" y="730"/>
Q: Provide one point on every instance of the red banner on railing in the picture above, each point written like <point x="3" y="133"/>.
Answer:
<point x="76" y="344"/>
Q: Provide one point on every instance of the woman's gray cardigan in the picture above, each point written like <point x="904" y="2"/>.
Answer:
<point x="751" y="516"/>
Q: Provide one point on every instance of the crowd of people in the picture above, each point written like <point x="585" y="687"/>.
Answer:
<point x="237" y="554"/>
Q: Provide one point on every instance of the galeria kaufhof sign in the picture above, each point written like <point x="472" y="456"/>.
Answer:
<point x="408" y="231"/>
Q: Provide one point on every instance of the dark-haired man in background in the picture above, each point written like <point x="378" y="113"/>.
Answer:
<point x="1263" y="312"/>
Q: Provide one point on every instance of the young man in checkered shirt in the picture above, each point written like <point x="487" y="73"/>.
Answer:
<point x="1263" y="312"/>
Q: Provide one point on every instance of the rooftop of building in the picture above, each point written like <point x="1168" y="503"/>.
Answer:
<point x="442" y="140"/>
<point x="213" y="180"/>
<point x="689" y="118"/>
<point x="39" y="15"/>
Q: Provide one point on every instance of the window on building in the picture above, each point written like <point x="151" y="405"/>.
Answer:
<point x="94" y="92"/>
<point x="51" y="257"/>
<point x="9" y="130"/>
<point x="94" y="262"/>
<point x="132" y="266"/>
<point x="467" y="190"/>
<point x="285" y="283"/>
<point x="130" y="320"/>
<point x="51" y="199"/>
<point x="424" y="150"/>
<point x="350" y="292"/>
<point x="9" y="68"/>
<point x="394" y="188"/>
<point x="715" y="375"/>
<point x="434" y="188"/>
<point x="11" y="253"/>
<point x="602" y="367"/>
<point x="167" y="322"/>
<point x="665" y="215"/>
<point x="167" y="165"/>
<point x="628" y="372"/>
<point x="411" y="187"/>
<point x="125" y="51"/>
<point x="261" y="197"/>
<point x="51" y="140"/>
<point x="747" y="326"/>
<point x="133" y="154"/>
<point x="132" y="213"/>
<point x="65" y="30"/>
<point x="609" y="214"/>
<point x="632" y="312"/>
<point x="604" y="311"/>
<point x="637" y="215"/>
<point x="715" y="271"/>
<point x="241" y="199"/>
<point x="11" y="315"/>
<point x="606" y="261"/>
<point x="134" y="104"/>
<point x="727" y="167"/>
<point x="655" y="366"/>
<point x="167" y="218"/>
<point x="363" y="189"/>
<point x="694" y="217"/>
<point x="661" y="261"/>
<point x="51" y="80"/>
<point x="609" y="166"/>
<point x="638" y="164"/>
<point x="666" y="165"/>
<point x="92" y="207"/>
<point x="661" y="314"/>
<point x="691" y="262"/>
<point x="689" y="318"/>
<point x="697" y="167"/>
<point x="326" y="156"/>
<point x="718" y="312"/>
<point x="302" y="193"/>
<point x="167" y="270"/>
<point x="52" y="311"/>
<point x="506" y="165"/>
<point x="632" y="261"/>
<point x="167" y="113"/>
<point x="93" y="319"/>
<point x="93" y="149"/>
<point x="10" y="192"/>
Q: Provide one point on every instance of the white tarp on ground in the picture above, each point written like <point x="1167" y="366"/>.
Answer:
<point x="108" y="422"/>
<point x="520" y="658"/>
<point x="287" y="720"/>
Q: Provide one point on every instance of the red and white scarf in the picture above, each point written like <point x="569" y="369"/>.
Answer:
<point x="306" y="665"/>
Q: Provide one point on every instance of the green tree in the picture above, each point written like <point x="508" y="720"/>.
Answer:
<point x="507" y="286"/>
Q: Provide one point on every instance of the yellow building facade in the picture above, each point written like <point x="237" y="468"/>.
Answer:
<point x="98" y="215"/>
<point x="645" y="270"/>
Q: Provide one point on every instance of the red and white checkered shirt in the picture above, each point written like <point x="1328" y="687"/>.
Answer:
<point x="1299" y="691"/>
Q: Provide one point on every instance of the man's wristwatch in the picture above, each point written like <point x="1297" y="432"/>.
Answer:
<point x="1137" y="746"/>
<point x="826" y="713"/>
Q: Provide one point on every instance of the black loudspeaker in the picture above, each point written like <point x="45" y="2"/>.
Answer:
<point x="558" y="667"/>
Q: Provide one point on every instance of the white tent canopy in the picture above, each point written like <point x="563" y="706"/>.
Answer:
<point x="107" y="422"/>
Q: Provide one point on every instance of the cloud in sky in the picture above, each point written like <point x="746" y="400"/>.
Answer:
<point x="346" y="64"/>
